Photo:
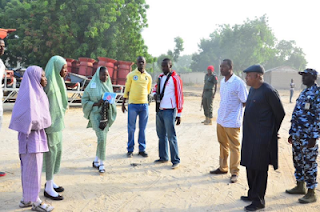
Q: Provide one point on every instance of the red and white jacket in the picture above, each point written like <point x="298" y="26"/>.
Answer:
<point x="173" y="94"/>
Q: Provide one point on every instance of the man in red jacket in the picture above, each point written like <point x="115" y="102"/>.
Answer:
<point x="169" y="96"/>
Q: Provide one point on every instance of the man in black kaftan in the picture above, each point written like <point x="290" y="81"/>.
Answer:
<point x="262" y="119"/>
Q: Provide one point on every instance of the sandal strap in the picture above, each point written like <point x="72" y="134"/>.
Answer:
<point x="102" y="169"/>
<point x="42" y="207"/>
<point x="25" y="204"/>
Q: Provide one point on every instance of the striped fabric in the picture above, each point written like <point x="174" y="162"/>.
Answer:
<point x="52" y="159"/>
<point x="31" y="165"/>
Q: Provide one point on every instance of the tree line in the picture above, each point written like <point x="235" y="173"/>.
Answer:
<point x="112" y="28"/>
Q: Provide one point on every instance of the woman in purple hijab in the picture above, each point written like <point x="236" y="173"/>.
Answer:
<point x="30" y="116"/>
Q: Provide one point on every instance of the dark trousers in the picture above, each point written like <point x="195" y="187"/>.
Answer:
<point x="207" y="106"/>
<point x="257" y="182"/>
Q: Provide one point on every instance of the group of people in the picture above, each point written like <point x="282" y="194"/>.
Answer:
<point x="38" y="117"/>
<point x="261" y="121"/>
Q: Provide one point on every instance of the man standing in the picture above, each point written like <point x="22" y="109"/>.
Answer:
<point x="209" y="90"/>
<point x="304" y="132"/>
<point x="138" y="86"/>
<point x="262" y="119"/>
<point x="233" y="94"/>
<point x="292" y="85"/>
<point x="168" y="92"/>
<point x="2" y="71"/>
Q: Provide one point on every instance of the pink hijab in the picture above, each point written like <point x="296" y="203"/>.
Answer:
<point x="31" y="109"/>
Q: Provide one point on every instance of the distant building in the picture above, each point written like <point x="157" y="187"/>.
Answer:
<point x="280" y="77"/>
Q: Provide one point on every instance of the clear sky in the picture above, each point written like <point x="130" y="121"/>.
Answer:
<point x="192" y="20"/>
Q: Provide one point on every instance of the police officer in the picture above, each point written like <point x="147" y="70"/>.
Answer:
<point x="209" y="90"/>
<point x="304" y="132"/>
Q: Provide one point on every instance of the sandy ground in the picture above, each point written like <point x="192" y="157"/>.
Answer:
<point x="149" y="186"/>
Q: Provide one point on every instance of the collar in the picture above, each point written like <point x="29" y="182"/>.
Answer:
<point x="230" y="79"/>
<point x="315" y="86"/>
<point x="136" y="70"/>
<point x="173" y="73"/>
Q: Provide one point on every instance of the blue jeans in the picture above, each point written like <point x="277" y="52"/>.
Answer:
<point x="165" y="123"/>
<point x="134" y="110"/>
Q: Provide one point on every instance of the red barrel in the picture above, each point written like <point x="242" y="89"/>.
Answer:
<point x="69" y="64"/>
<point x="95" y="67"/>
<point x="75" y="67"/>
<point x="124" y="68"/>
<point x="109" y="63"/>
<point x="86" y="66"/>
<point x="115" y="74"/>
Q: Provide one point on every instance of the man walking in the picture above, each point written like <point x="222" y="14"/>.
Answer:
<point x="304" y="132"/>
<point x="138" y="86"/>
<point x="169" y="96"/>
<point x="2" y="71"/>
<point x="209" y="90"/>
<point x="233" y="94"/>
<point x="262" y="119"/>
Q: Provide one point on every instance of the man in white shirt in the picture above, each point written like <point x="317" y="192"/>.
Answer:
<point x="169" y="96"/>
<point x="2" y="71"/>
<point x="233" y="94"/>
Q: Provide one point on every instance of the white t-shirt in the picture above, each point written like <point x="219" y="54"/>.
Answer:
<point x="233" y="93"/>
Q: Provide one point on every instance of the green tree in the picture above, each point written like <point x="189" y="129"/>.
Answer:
<point x="249" y="43"/>
<point x="82" y="28"/>
<point x="183" y="64"/>
<point x="287" y="53"/>
<point x="161" y="58"/>
<point x="175" y="54"/>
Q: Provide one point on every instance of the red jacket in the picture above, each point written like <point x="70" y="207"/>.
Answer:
<point x="178" y="87"/>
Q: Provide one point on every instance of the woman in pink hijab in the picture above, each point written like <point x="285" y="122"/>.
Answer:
<point x="30" y="116"/>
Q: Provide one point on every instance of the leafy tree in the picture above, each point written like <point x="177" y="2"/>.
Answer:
<point x="177" y="50"/>
<point x="183" y="64"/>
<point x="82" y="28"/>
<point x="249" y="43"/>
<point x="287" y="53"/>
<point x="161" y="58"/>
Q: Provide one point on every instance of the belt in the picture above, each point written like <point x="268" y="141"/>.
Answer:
<point x="166" y="108"/>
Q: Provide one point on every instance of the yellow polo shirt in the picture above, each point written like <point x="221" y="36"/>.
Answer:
<point x="138" y="86"/>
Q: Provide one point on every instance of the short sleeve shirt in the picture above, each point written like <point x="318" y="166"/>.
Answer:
<point x="233" y="93"/>
<point x="209" y="81"/>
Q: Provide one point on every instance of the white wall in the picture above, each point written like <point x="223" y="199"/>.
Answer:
<point x="193" y="77"/>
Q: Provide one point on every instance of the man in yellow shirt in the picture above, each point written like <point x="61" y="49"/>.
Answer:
<point x="138" y="86"/>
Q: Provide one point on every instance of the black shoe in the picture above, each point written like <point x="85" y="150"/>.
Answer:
<point x="253" y="207"/>
<point x="143" y="154"/>
<point x="59" y="189"/>
<point x="217" y="171"/>
<point x="94" y="166"/>
<point x="130" y="154"/>
<point x="161" y="161"/>
<point x="246" y="199"/>
<point x="59" y="197"/>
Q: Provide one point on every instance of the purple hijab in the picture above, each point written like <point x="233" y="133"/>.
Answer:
<point x="31" y="109"/>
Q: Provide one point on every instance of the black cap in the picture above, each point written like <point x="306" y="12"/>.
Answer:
<point x="255" y="68"/>
<point x="311" y="71"/>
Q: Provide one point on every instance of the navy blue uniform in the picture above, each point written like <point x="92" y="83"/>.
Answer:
<point x="305" y="126"/>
